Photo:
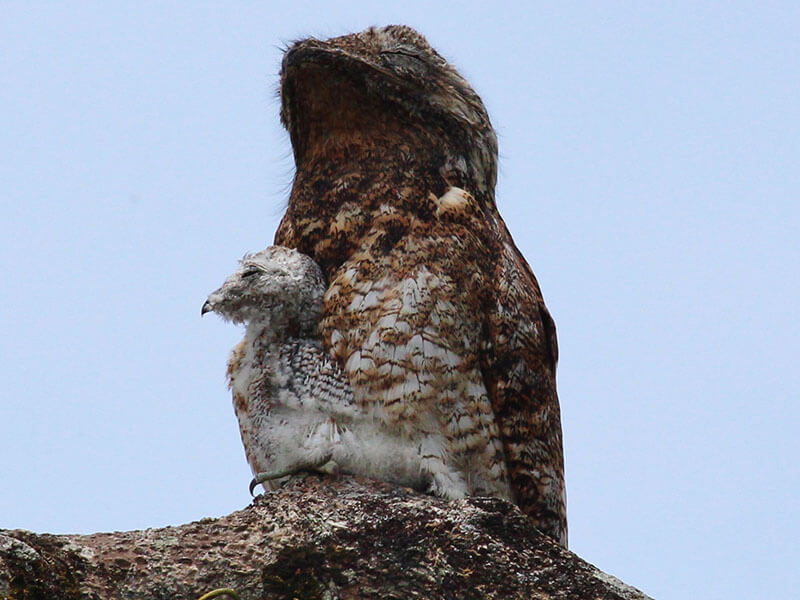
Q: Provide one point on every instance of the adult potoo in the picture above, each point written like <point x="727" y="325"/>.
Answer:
<point x="431" y="310"/>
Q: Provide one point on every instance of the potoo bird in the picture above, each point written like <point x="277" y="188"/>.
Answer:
<point x="294" y="404"/>
<point x="282" y="381"/>
<point x="431" y="310"/>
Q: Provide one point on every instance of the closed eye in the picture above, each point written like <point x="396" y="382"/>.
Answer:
<point x="402" y="57"/>
<point x="249" y="272"/>
<point x="402" y="52"/>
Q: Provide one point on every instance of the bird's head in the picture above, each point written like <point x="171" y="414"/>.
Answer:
<point x="278" y="286"/>
<point x="386" y="83"/>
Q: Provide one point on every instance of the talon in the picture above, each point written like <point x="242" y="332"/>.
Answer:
<point x="220" y="592"/>
<point x="267" y="476"/>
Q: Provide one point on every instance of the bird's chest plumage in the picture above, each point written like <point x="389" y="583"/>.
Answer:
<point x="405" y="320"/>
<point x="402" y="315"/>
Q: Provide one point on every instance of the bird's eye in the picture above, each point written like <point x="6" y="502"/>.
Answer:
<point x="405" y="62"/>
<point x="250" y="271"/>
<point x="403" y="52"/>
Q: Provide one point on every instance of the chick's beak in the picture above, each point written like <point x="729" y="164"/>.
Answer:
<point x="206" y="308"/>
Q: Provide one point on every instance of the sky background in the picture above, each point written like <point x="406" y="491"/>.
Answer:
<point x="649" y="172"/>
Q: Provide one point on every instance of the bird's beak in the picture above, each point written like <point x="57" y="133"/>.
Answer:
<point x="206" y="308"/>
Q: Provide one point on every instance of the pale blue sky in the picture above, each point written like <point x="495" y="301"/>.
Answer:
<point x="650" y="173"/>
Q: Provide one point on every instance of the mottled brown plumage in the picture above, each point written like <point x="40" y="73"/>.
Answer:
<point x="431" y="310"/>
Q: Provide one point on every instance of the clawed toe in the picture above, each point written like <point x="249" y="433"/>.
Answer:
<point x="324" y="465"/>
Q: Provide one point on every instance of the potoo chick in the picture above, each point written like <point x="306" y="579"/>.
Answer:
<point x="294" y="404"/>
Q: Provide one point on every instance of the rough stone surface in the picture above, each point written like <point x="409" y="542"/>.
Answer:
<point x="315" y="538"/>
